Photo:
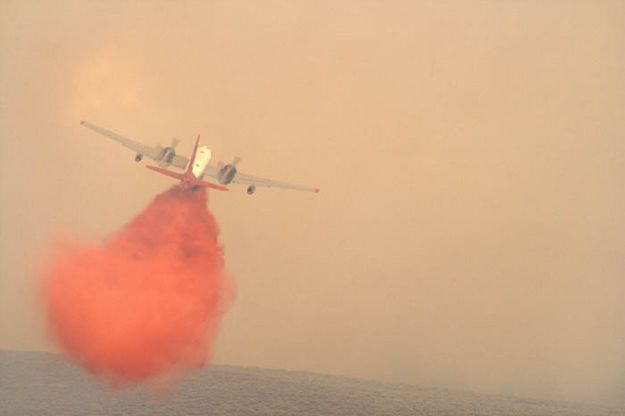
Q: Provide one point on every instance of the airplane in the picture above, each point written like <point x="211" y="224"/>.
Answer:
<point x="198" y="168"/>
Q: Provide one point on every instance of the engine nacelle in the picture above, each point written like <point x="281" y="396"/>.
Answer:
<point x="166" y="157"/>
<point x="226" y="174"/>
<point x="138" y="157"/>
<point x="251" y="189"/>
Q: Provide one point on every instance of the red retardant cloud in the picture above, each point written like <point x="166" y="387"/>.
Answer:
<point x="148" y="300"/>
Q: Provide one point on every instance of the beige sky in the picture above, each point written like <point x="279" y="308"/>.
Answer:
<point x="471" y="155"/>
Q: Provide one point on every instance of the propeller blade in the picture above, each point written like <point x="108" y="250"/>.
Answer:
<point x="235" y="161"/>
<point x="174" y="142"/>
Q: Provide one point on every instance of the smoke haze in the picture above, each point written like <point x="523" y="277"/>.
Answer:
<point x="469" y="232"/>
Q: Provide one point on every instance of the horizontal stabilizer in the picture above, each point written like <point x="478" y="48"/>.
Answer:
<point x="166" y="172"/>
<point x="188" y="180"/>
<point x="205" y="184"/>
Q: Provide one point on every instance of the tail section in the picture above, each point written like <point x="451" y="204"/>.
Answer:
<point x="188" y="179"/>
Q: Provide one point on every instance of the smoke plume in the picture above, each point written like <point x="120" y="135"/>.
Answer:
<point x="149" y="299"/>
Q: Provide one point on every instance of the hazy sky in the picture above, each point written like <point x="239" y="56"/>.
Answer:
<point x="471" y="156"/>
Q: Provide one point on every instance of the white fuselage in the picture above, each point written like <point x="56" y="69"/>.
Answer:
<point x="202" y="159"/>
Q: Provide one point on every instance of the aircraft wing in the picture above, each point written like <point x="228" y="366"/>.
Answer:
<point x="212" y="171"/>
<point x="269" y="183"/>
<point x="180" y="161"/>
<point x="151" y="152"/>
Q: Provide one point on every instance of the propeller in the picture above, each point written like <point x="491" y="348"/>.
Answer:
<point x="221" y="165"/>
<point x="167" y="154"/>
<point x="174" y="143"/>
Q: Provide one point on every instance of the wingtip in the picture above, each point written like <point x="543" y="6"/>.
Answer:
<point x="317" y="190"/>
<point x="82" y="122"/>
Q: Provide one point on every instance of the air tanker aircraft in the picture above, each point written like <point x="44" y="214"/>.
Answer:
<point x="198" y="168"/>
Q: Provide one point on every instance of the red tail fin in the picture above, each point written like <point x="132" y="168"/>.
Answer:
<point x="192" y="160"/>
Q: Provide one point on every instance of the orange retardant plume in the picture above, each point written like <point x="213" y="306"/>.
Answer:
<point x="149" y="299"/>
